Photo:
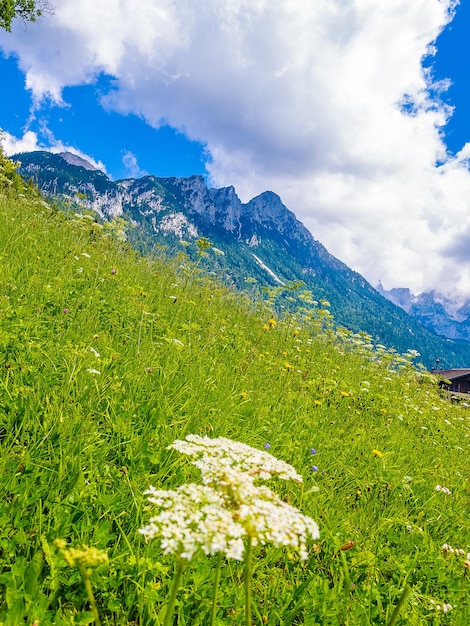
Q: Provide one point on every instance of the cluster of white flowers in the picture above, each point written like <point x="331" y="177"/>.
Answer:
<point x="216" y="516"/>
<point x="193" y="517"/>
<point x="238" y="456"/>
<point x="267" y="519"/>
<point x="447" y="549"/>
<point x="445" y="490"/>
<point x="444" y="607"/>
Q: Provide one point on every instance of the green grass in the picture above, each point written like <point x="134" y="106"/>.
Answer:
<point x="180" y="354"/>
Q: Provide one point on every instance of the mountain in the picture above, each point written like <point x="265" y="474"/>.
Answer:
<point x="255" y="245"/>
<point x="440" y="314"/>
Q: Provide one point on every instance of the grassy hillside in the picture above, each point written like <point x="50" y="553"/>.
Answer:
<point x="167" y="212"/>
<point x="107" y="357"/>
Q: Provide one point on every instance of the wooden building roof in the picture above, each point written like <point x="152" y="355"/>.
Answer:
<point x="453" y="374"/>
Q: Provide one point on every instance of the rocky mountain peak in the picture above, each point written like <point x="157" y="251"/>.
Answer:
<point x="229" y="207"/>
<point x="74" y="159"/>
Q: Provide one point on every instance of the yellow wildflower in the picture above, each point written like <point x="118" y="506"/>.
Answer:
<point x="272" y="322"/>
<point x="345" y="394"/>
<point x="377" y="453"/>
<point x="84" y="557"/>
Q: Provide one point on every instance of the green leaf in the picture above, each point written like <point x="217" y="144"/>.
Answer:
<point x="32" y="574"/>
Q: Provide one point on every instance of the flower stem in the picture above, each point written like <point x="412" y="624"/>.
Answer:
<point x="347" y="578"/>
<point x="176" y="585"/>
<point x="216" y="590"/>
<point x="400" y="602"/>
<point x="249" y="550"/>
<point x="89" y="592"/>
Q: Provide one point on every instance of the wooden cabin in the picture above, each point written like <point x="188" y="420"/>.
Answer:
<point x="459" y="379"/>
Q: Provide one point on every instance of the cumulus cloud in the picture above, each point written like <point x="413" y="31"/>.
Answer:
<point x="30" y="142"/>
<point x="13" y="145"/>
<point x="129" y="160"/>
<point x="326" y="103"/>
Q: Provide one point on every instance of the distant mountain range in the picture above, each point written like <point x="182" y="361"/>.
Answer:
<point x="257" y="244"/>
<point x="439" y="314"/>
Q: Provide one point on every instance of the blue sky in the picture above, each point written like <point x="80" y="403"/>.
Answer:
<point x="354" y="112"/>
<point x="452" y="63"/>
<point x="108" y="136"/>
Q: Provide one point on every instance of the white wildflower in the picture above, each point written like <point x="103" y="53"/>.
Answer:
<point x="193" y="518"/>
<point x="199" y="517"/>
<point x="447" y="549"/>
<point x="216" y="516"/>
<point x="95" y="352"/>
<point x="443" y="490"/>
<point x="90" y="370"/>
<point x="445" y="607"/>
<point x="268" y="519"/>
<point x="240" y="457"/>
<point x="86" y="255"/>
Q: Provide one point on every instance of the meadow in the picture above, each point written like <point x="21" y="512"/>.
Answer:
<point x="107" y="357"/>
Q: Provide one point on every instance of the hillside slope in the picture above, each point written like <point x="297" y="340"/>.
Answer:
<point x="107" y="357"/>
<point x="261" y="242"/>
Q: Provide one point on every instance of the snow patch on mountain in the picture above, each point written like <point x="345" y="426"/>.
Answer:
<point x="267" y="269"/>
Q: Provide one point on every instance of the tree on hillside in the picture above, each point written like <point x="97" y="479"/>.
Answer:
<point x="27" y="10"/>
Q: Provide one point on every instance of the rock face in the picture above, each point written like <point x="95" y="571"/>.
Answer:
<point x="260" y="243"/>
<point x="74" y="159"/>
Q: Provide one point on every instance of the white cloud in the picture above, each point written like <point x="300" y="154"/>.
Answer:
<point x="296" y="96"/>
<point x="12" y="145"/>
<point x="129" y="160"/>
<point x="29" y="142"/>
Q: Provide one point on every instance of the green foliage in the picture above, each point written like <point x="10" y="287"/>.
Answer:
<point x="27" y="10"/>
<point x="106" y="357"/>
<point x="9" y="178"/>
